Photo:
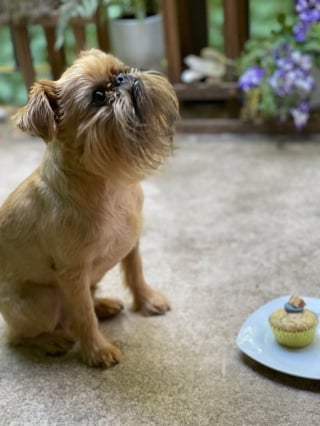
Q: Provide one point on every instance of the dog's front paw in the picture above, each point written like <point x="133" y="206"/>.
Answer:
<point x="107" y="308"/>
<point x="153" y="303"/>
<point x="105" y="355"/>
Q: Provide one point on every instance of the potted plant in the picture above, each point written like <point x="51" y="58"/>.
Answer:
<point x="135" y="28"/>
<point x="136" y="34"/>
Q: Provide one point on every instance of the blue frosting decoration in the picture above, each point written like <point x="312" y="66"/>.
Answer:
<point x="292" y="309"/>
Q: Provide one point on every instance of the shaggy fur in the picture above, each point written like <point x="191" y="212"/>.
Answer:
<point x="79" y="214"/>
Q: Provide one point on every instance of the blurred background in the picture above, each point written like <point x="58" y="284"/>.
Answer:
<point x="12" y="85"/>
<point x="222" y="56"/>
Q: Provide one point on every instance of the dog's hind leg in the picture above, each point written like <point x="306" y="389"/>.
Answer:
<point x="146" y="300"/>
<point x="35" y="318"/>
<point x="57" y="342"/>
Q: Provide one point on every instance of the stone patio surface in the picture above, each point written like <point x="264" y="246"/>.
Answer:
<point x="231" y="223"/>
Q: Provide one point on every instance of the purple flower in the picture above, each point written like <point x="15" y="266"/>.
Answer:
<point x="286" y="83"/>
<point x="304" y="84"/>
<point x="281" y="83"/>
<point x="309" y="16"/>
<point x="289" y="75"/>
<point x="292" y="73"/>
<point x="284" y="63"/>
<point x="285" y="56"/>
<point x="300" y="31"/>
<point x="301" y="5"/>
<point x="251" y="78"/>
<point x="308" y="9"/>
<point x="308" y="12"/>
<point x="304" y="62"/>
<point x="300" y="114"/>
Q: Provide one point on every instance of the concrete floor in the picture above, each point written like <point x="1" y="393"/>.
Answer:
<point x="230" y="224"/>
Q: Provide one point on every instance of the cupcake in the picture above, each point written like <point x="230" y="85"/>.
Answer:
<point x="294" y="326"/>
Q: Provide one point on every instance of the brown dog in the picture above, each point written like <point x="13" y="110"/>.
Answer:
<point x="79" y="214"/>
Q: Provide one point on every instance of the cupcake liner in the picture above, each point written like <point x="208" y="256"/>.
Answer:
<point x="294" y="339"/>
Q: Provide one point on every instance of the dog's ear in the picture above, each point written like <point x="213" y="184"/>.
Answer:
<point x="38" y="117"/>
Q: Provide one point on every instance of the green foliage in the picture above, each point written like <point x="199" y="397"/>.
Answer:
<point x="215" y="24"/>
<point x="312" y="45"/>
<point x="262" y="19"/>
<point x="70" y="9"/>
<point x="262" y="100"/>
<point x="267" y="103"/>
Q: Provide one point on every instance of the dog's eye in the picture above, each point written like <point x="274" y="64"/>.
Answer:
<point x="99" y="97"/>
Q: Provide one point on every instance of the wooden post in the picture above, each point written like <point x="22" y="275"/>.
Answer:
<point x="171" y="39"/>
<point x="236" y="26"/>
<point x="23" y="51"/>
<point x="193" y="26"/>
<point x="56" y="58"/>
<point x="79" y="33"/>
<point x="101" y="20"/>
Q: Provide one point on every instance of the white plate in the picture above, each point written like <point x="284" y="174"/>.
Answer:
<point x="256" y="340"/>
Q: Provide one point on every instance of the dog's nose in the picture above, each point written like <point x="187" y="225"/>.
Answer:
<point x="123" y="78"/>
<point x="120" y="79"/>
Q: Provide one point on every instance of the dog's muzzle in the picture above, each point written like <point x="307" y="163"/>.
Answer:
<point x="129" y="82"/>
<point x="125" y="80"/>
<point x="134" y="86"/>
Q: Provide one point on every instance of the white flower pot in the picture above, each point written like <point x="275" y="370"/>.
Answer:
<point x="138" y="42"/>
